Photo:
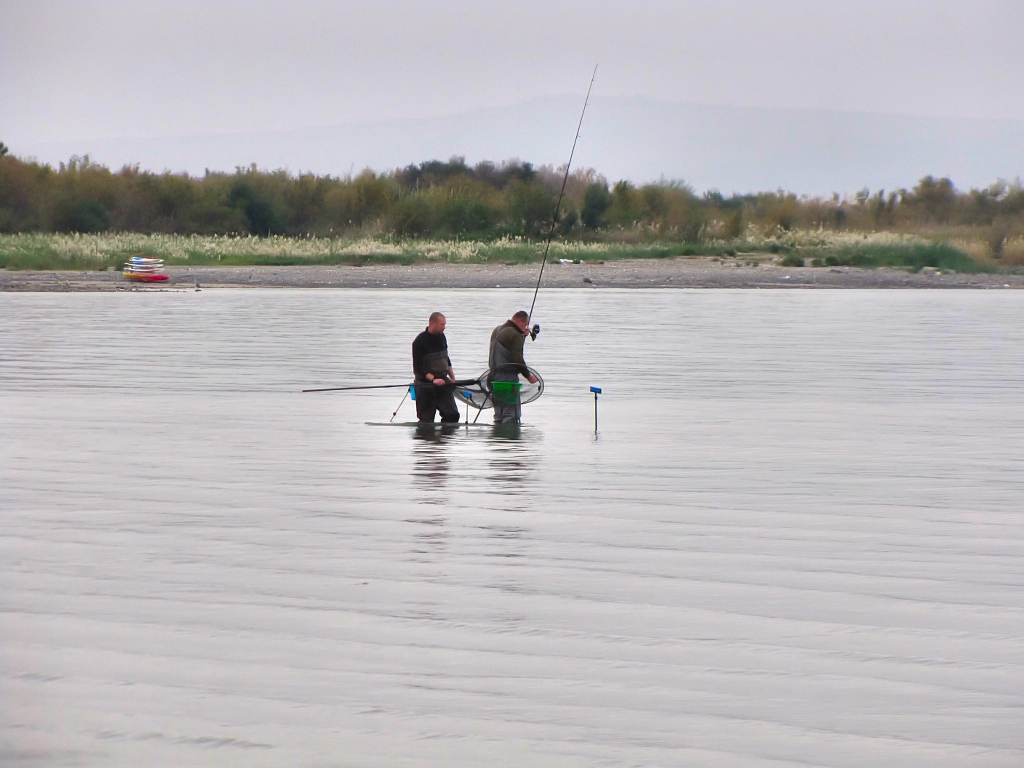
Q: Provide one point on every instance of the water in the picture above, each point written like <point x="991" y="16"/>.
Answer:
<point x="798" y="539"/>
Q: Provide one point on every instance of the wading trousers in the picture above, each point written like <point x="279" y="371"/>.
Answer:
<point x="431" y="398"/>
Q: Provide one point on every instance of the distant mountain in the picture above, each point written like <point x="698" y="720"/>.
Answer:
<point x="727" y="148"/>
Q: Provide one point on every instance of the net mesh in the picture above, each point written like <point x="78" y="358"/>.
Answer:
<point x="492" y="387"/>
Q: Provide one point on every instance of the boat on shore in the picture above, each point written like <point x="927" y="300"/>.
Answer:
<point x="144" y="270"/>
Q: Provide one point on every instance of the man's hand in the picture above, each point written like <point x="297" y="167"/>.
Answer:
<point x="532" y="379"/>
<point x="439" y="381"/>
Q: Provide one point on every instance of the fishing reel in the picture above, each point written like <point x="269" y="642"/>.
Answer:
<point x="535" y="332"/>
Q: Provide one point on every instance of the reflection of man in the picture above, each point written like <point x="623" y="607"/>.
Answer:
<point x="506" y="363"/>
<point x="432" y="370"/>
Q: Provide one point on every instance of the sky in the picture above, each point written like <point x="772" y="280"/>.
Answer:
<point x="106" y="69"/>
<point x="92" y="70"/>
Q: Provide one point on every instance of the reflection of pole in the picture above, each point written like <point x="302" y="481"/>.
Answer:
<point x="596" y="391"/>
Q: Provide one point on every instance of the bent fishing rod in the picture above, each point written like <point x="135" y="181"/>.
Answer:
<point x="558" y="205"/>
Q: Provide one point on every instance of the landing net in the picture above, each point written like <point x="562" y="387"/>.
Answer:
<point x="493" y="388"/>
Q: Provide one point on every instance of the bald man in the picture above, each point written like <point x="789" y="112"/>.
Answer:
<point x="433" y="372"/>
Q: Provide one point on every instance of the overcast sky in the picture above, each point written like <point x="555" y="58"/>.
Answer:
<point x="109" y="69"/>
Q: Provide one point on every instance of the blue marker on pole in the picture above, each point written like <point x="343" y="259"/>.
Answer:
<point x="596" y="391"/>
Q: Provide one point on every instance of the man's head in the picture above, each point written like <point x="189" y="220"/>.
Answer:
<point x="522" y="320"/>
<point x="435" y="323"/>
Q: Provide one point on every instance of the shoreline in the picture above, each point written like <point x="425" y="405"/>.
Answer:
<point x="627" y="273"/>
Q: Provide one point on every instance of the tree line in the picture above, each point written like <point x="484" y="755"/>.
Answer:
<point x="450" y="199"/>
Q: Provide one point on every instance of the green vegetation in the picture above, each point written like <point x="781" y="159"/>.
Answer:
<point x="38" y="251"/>
<point x="103" y="251"/>
<point x="908" y="256"/>
<point x="83" y="215"/>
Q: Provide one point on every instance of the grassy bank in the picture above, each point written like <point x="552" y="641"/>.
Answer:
<point x="793" y="248"/>
<point x="100" y="251"/>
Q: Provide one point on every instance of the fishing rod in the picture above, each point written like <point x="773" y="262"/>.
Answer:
<point x="459" y="383"/>
<point x="558" y="205"/>
<point x="349" y="389"/>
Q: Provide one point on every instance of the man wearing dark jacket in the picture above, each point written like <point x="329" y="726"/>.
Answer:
<point x="505" y="359"/>
<point x="432" y="371"/>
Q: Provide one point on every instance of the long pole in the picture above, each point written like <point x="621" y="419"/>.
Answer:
<point x="558" y="205"/>
<point x="350" y="389"/>
<point x="460" y="383"/>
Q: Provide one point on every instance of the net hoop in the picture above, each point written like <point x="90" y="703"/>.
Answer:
<point x="481" y="393"/>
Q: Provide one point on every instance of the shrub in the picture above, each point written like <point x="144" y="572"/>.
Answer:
<point x="568" y="218"/>
<point x="596" y="201"/>
<point x="259" y="213"/>
<point x="911" y="256"/>
<point x="733" y="225"/>
<point x="411" y="216"/>
<point x="625" y="205"/>
<point x="530" y="207"/>
<point x="72" y="215"/>
<point x="462" y="214"/>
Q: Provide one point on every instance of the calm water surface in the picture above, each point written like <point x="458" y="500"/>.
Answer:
<point x="798" y="540"/>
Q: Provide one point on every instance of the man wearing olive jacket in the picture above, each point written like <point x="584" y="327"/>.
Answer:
<point x="506" y="362"/>
<point x="432" y="372"/>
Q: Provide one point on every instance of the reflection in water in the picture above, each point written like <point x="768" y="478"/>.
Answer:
<point x="512" y="454"/>
<point x="512" y="457"/>
<point x="506" y="541"/>
<point x="452" y="460"/>
<point x="432" y="465"/>
<point x="432" y="462"/>
<point x="430" y="538"/>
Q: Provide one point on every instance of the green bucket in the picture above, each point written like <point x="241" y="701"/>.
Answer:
<point x="505" y="392"/>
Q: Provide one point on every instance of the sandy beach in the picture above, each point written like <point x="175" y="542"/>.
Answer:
<point x="641" y="273"/>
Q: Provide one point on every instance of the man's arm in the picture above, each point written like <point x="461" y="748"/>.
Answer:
<point x="417" y="359"/>
<point x="517" y="355"/>
<point x="440" y="380"/>
<point x="513" y="340"/>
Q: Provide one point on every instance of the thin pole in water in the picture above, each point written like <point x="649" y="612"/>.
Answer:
<point x="596" y="391"/>
<point x="558" y="205"/>
<point x="401" y="403"/>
